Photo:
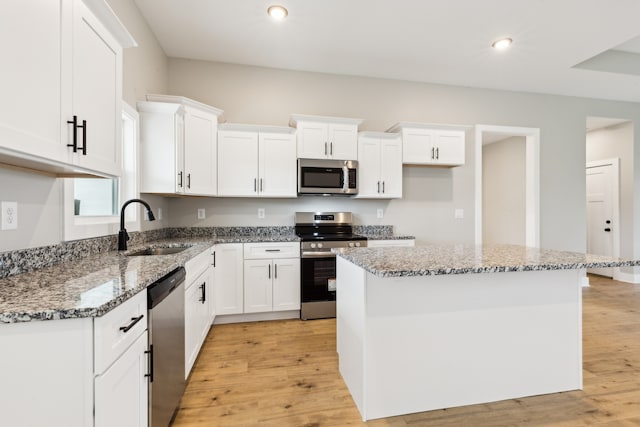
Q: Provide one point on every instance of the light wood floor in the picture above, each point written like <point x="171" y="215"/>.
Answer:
<point x="285" y="373"/>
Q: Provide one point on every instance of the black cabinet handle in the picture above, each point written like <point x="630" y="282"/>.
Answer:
<point x="74" y="122"/>
<point x="255" y="185"/>
<point x="261" y="185"/>
<point x="383" y="187"/>
<point x="134" y="320"/>
<point x="378" y="186"/>
<point x="331" y="149"/>
<point x="203" y="288"/>
<point x="180" y="179"/>
<point x="325" y="148"/>
<point x="214" y="258"/>
<point x="269" y="275"/>
<point x="188" y="180"/>
<point x="150" y="353"/>
<point x="438" y="153"/>
<point x="275" y="271"/>
<point x="607" y="230"/>
<point x="433" y="153"/>
<point x="272" y="250"/>
<point x="84" y="137"/>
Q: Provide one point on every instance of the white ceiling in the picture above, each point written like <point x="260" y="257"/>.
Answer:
<point x="446" y="41"/>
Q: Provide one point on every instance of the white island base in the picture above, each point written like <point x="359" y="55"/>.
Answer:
<point x="413" y="344"/>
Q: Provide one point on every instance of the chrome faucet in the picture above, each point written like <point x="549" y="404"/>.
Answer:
<point x="123" y="236"/>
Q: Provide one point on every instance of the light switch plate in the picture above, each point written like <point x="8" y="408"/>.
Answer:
<point x="458" y="214"/>
<point x="380" y="213"/>
<point x="201" y="214"/>
<point x="261" y="213"/>
<point x="9" y="213"/>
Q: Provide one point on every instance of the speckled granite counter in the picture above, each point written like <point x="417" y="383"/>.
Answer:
<point x="462" y="259"/>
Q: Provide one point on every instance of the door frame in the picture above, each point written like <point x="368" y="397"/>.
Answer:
<point x="615" y="196"/>
<point x="532" y="179"/>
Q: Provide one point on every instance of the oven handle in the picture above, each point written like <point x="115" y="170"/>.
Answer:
<point x="322" y="254"/>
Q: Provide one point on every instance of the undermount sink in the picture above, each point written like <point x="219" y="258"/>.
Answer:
<point x="158" y="251"/>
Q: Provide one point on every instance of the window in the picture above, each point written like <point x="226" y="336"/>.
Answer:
<point x="91" y="205"/>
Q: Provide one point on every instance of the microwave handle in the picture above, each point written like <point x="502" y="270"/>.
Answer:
<point x="345" y="179"/>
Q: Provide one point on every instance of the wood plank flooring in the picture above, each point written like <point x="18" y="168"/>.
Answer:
<point x="285" y="373"/>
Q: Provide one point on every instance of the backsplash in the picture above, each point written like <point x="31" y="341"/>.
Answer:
<point x="25" y="260"/>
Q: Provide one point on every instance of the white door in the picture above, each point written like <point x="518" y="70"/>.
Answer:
<point x="286" y="284"/>
<point x="391" y="168"/>
<point x="258" y="288"/>
<point x="228" y="278"/>
<point x="277" y="168"/>
<point x="121" y="392"/>
<point x="600" y="182"/>
<point x="200" y="156"/>
<point x="369" y="184"/>
<point x="238" y="164"/>
<point x="97" y="92"/>
<point x="343" y="141"/>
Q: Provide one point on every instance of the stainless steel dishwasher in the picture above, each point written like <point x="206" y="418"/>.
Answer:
<point x="165" y="303"/>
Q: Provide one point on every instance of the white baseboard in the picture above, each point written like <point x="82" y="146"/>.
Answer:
<point x="626" y="277"/>
<point x="585" y="281"/>
<point x="256" y="317"/>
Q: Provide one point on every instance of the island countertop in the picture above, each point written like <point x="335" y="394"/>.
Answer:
<point x="439" y="259"/>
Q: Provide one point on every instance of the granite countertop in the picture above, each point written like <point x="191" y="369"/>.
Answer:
<point x="256" y="238"/>
<point x="387" y="236"/>
<point x="438" y="259"/>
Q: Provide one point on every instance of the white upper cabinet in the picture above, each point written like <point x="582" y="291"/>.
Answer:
<point x="326" y="137"/>
<point x="71" y="66"/>
<point x="178" y="146"/>
<point x="256" y="161"/>
<point x="379" y="165"/>
<point x="427" y="144"/>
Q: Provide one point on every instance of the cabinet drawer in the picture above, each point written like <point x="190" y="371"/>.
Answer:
<point x="270" y="250"/>
<point x="196" y="265"/>
<point x="117" y="330"/>
<point x="390" y="243"/>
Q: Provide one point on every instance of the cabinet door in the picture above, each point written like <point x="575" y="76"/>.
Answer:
<point x="196" y="318"/>
<point x="286" y="284"/>
<point x="369" y="182"/>
<point x="312" y="140"/>
<point x="277" y="167"/>
<point x="343" y="141"/>
<point x="237" y="163"/>
<point x="258" y="289"/>
<point x="417" y="145"/>
<point x="30" y="37"/>
<point x="121" y="392"/>
<point x="450" y="147"/>
<point x="200" y="154"/>
<point x="391" y="168"/>
<point x="96" y="92"/>
<point x="228" y="278"/>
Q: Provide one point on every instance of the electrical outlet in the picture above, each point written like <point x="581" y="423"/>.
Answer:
<point x="159" y="212"/>
<point x="380" y="213"/>
<point x="458" y="214"/>
<point x="201" y="214"/>
<point x="9" y="213"/>
<point x="261" y="213"/>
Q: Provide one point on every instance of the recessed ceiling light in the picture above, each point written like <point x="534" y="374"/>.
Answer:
<point x="502" y="44"/>
<point x="277" y="12"/>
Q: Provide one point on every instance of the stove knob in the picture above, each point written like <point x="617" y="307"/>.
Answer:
<point x="357" y="244"/>
<point x="350" y="244"/>
<point x="313" y="246"/>
<point x="320" y="245"/>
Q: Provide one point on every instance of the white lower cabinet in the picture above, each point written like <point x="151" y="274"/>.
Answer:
<point x="197" y="319"/>
<point x="228" y="278"/>
<point x="121" y="391"/>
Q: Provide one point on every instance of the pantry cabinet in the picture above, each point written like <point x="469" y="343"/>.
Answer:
<point x="256" y="161"/>
<point x="64" y="81"/>
<point x="380" y="165"/>
<point x="326" y="137"/>
<point x="435" y="145"/>
<point x="178" y="146"/>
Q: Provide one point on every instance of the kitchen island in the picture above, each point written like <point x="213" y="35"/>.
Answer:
<point x="440" y="326"/>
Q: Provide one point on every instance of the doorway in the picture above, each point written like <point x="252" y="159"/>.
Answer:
<point x="603" y="217"/>
<point x="531" y="178"/>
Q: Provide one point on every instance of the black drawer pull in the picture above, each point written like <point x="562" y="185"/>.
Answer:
<point x="607" y="230"/>
<point x="272" y="250"/>
<point x="134" y="320"/>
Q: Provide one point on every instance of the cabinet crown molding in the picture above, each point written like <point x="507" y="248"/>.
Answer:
<point x="110" y="20"/>
<point x="187" y="102"/>
<point x="295" y="118"/>
<point x="414" y="125"/>
<point x="377" y="134"/>
<point x="255" y="128"/>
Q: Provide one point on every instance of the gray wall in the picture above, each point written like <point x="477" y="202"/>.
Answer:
<point x="617" y="142"/>
<point x="269" y="96"/>
<point x="503" y="191"/>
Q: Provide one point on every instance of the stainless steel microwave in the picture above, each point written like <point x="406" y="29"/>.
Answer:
<point x="319" y="176"/>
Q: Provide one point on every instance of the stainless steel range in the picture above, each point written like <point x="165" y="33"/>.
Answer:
<point x="320" y="232"/>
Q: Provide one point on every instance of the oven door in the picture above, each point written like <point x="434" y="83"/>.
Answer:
<point x="318" y="277"/>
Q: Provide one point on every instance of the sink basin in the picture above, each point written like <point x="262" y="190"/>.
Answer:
<point x="158" y="251"/>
